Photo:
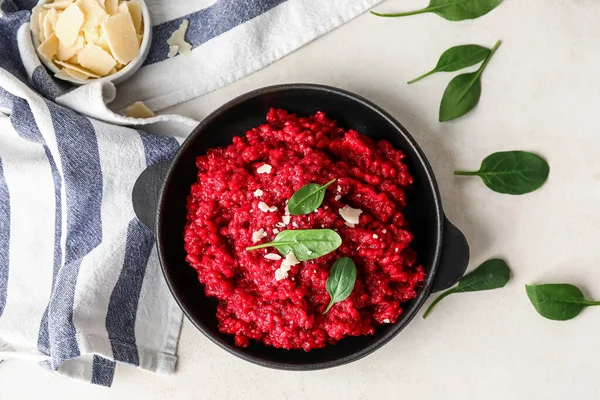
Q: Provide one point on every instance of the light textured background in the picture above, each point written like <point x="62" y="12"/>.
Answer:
<point x="541" y="92"/>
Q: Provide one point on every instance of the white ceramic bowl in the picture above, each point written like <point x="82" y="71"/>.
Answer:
<point x="120" y="75"/>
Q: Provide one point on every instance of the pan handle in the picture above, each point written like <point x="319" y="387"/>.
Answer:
<point x="455" y="258"/>
<point x="146" y="191"/>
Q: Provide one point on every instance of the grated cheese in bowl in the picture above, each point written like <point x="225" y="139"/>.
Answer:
<point x="86" y="40"/>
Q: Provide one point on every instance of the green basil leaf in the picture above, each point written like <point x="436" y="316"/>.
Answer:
<point x="461" y="96"/>
<point x="308" y="198"/>
<point x="512" y="172"/>
<point x="492" y="274"/>
<point x="452" y="10"/>
<point x="559" y="302"/>
<point x="457" y="58"/>
<point x="307" y="244"/>
<point x="463" y="92"/>
<point x="341" y="281"/>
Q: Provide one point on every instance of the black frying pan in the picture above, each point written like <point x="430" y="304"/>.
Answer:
<point x="159" y="199"/>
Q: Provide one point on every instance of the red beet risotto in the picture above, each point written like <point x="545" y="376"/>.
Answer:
<point x="240" y="200"/>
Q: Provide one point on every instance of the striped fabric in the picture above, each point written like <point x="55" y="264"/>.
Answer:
<point x="80" y="284"/>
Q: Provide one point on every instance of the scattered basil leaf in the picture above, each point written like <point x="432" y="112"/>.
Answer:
<point x="512" y="172"/>
<point x="457" y="58"/>
<point x="306" y="244"/>
<point x="461" y="96"/>
<point x="341" y="281"/>
<point x="308" y="198"/>
<point x="452" y="10"/>
<point x="558" y="302"/>
<point x="463" y="92"/>
<point x="492" y="274"/>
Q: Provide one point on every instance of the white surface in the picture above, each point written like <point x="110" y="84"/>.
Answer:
<point x="541" y="92"/>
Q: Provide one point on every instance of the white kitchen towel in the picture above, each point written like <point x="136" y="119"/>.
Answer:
<point x="230" y="39"/>
<point x="80" y="284"/>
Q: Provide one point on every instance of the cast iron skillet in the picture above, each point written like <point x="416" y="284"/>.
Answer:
<point x="160" y="194"/>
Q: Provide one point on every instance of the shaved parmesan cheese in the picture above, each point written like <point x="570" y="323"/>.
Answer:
<point x="178" y="38"/>
<point x="349" y="225"/>
<point x="66" y="53"/>
<point x="62" y="75"/>
<point x="286" y="219"/>
<point x="185" y="49"/>
<point x="96" y="59"/>
<point x="91" y="35"/>
<point x="103" y="42"/>
<point x="337" y="198"/>
<point x="41" y="17"/>
<point x="69" y="24"/>
<point x="258" y="193"/>
<point x="60" y="4"/>
<point x="273" y="256"/>
<point x="286" y="265"/>
<point x="138" y="110"/>
<point x="258" y="235"/>
<point x="49" y="47"/>
<point x="280" y="274"/>
<point x="291" y="259"/>
<point x="350" y="215"/>
<point x="172" y="51"/>
<point x="111" y="6"/>
<point x="67" y="28"/>
<point x="386" y="321"/>
<point x="135" y="9"/>
<point x="264" y="169"/>
<point x="121" y="37"/>
<point x="77" y="68"/>
<point x="35" y="24"/>
<point x="262" y="206"/>
<point x="50" y="21"/>
<point x="76" y="74"/>
<point x="275" y="231"/>
<point x="94" y="14"/>
<point x="375" y="236"/>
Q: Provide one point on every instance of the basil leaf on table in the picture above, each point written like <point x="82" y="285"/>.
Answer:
<point x="452" y="10"/>
<point x="307" y="244"/>
<point x="492" y="274"/>
<point x="308" y="198"/>
<point x="512" y="172"/>
<point x="463" y="92"/>
<point x="341" y="281"/>
<point x="457" y="58"/>
<point x="558" y="302"/>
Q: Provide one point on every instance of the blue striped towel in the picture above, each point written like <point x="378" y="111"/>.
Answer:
<point x="80" y="284"/>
